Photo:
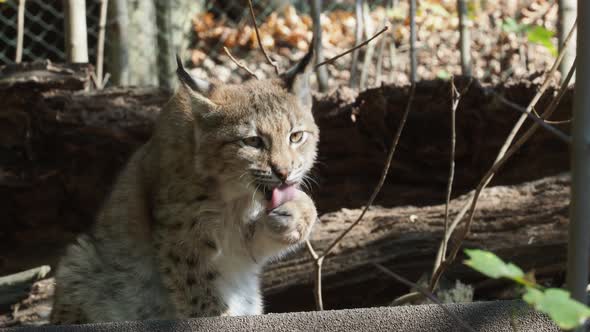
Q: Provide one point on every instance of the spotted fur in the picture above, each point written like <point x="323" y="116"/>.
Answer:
<point x="185" y="231"/>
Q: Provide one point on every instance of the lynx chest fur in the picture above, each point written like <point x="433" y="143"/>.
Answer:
<point x="200" y="208"/>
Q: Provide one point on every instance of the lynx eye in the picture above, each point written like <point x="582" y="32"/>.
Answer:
<point x="297" y="137"/>
<point x="253" y="141"/>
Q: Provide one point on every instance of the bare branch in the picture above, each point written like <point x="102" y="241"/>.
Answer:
<point x="455" y="97"/>
<point x="501" y="159"/>
<point x="239" y="63"/>
<point x="311" y="251"/>
<point x="319" y="302"/>
<point x="331" y="60"/>
<point x="272" y="63"/>
<point x="538" y="120"/>
<point x="317" y="290"/>
<point x="424" y="292"/>
<point x="383" y="172"/>
<point x="557" y="122"/>
<point x="319" y="259"/>
<point x="407" y="298"/>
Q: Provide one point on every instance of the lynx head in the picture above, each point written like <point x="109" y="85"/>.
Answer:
<point x="255" y="136"/>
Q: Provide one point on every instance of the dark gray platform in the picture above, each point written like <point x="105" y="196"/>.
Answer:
<point x="482" y="316"/>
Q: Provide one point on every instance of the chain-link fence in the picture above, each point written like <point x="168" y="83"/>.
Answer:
<point x="142" y="37"/>
<point x="44" y="33"/>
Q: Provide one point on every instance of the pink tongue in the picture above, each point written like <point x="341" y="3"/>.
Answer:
<point x="281" y="195"/>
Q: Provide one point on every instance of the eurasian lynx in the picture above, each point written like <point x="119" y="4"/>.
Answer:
<point x="199" y="208"/>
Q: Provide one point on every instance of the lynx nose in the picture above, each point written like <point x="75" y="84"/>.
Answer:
<point x="280" y="172"/>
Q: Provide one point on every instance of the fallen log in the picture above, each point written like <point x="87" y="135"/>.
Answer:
<point x="16" y="287"/>
<point x="525" y="224"/>
<point x="61" y="147"/>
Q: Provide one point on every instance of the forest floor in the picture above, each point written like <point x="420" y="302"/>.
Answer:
<point x="505" y="45"/>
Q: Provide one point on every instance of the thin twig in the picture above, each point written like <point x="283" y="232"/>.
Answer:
<point x="538" y="120"/>
<point x="239" y="63"/>
<point x="426" y="293"/>
<point x="383" y="172"/>
<point x="20" y="31"/>
<point x="319" y="259"/>
<point x="100" y="44"/>
<point x="407" y="298"/>
<point x="440" y="256"/>
<point x="331" y="60"/>
<point x="312" y="252"/>
<point x="502" y="157"/>
<point x="317" y="266"/>
<point x="557" y="122"/>
<point x="272" y="63"/>
<point x="456" y="97"/>
<point x="469" y="203"/>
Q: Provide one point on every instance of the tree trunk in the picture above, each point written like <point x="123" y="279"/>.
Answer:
<point x="118" y="47"/>
<point x="321" y="72"/>
<point x="173" y="21"/>
<point x="142" y="43"/>
<point x="358" y="34"/>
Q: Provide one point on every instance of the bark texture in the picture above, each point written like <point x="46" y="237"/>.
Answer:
<point x="61" y="147"/>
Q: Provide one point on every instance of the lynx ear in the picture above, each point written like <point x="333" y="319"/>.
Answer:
<point x="197" y="85"/>
<point x="296" y="79"/>
<point x="198" y="89"/>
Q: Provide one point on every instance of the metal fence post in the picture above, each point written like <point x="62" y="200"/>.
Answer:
<point x="20" y="31"/>
<point x="579" y="228"/>
<point x="76" y="31"/>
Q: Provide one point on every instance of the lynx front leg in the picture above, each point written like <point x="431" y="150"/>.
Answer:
<point x="190" y="280"/>
<point x="285" y="226"/>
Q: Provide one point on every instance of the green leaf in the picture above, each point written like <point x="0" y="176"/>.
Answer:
<point x="510" y="25"/>
<point x="492" y="266"/>
<point x="443" y="74"/>
<point x="563" y="310"/>
<point x="533" y="296"/>
<point x="540" y="35"/>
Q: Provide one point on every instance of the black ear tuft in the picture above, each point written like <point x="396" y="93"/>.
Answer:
<point x="296" y="79"/>
<point x="185" y="78"/>
<point x="302" y="67"/>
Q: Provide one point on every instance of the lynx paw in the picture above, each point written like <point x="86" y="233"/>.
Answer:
<point x="291" y="222"/>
